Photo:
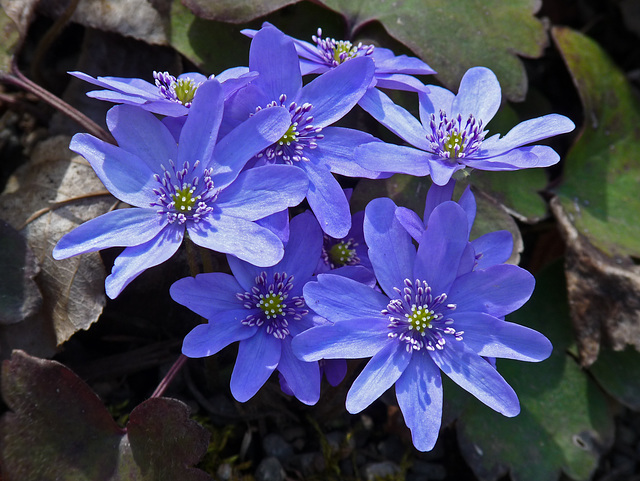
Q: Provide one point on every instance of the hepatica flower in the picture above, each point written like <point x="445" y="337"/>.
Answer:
<point x="451" y="134"/>
<point x="428" y="319"/>
<point x="193" y="186"/>
<point x="308" y="143"/>
<point x="171" y="96"/>
<point x="391" y="71"/>
<point x="263" y="309"/>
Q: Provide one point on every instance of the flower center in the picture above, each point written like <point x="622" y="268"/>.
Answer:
<point x="300" y="135"/>
<point x="184" y="194"/>
<point x="334" y="52"/>
<point x="271" y="306"/>
<point x="418" y="319"/>
<point x="177" y="90"/>
<point x="338" y="253"/>
<point x="453" y="138"/>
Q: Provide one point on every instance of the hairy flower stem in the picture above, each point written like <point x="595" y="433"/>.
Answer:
<point x="18" y="79"/>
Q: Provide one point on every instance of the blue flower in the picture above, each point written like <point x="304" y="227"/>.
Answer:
<point x="317" y="150"/>
<point x="195" y="186"/>
<point x="261" y="308"/>
<point x="391" y="71"/>
<point x="171" y="96"/>
<point x="429" y="319"/>
<point x="451" y="133"/>
<point x="489" y="249"/>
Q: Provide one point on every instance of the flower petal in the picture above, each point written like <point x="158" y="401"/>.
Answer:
<point x="135" y="260"/>
<point x="380" y="373"/>
<point x="497" y="290"/>
<point x="391" y="250"/>
<point x="520" y="158"/>
<point x="477" y="376"/>
<point x="257" y="358"/>
<point x="327" y="200"/>
<point x="419" y="394"/>
<point x="387" y="62"/>
<point x="123" y="174"/>
<point x="208" y="294"/>
<point x="119" y="228"/>
<point x="383" y="157"/>
<point x="490" y="337"/>
<point x="208" y="339"/>
<point x="411" y="222"/>
<point x="302" y="251"/>
<point x="479" y="95"/>
<point x="239" y="237"/>
<point x="395" y="118"/>
<point x="337" y="150"/>
<point x="436" y="195"/>
<point x="432" y="102"/>
<point x="334" y="93"/>
<point x="262" y="191"/>
<point x="302" y="377"/>
<point x="340" y="298"/>
<point x="398" y="81"/>
<point x="493" y="248"/>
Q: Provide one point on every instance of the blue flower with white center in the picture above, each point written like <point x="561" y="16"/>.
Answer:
<point x="452" y="129"/>
<point x="430" y="317"/>
<point x="194" y="186"/>
<point x="392" y="71"/>
<point x="171" y="96"/>
<point x="262" y="309"/>
<point x="309" y="143"/>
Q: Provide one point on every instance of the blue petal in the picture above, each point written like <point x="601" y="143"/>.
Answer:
<point x="490" y="337"/>
<point x="382" y="157"/>
<point x="337" y="150"/>
<point x="520" y="158"/>
<point x="468" y="203"/>
<point x="302" y="251"/>
<point x="436" y="195"/>
<point x="249" y="138"/>
<point x="433" y="102"/>
<point x="135" y="260"/>
<point x="340" y="298"/>
<point x="257" y="358"/>
<point x="442" y="246"/>
<point x="336" y="92"/>
<point x="477" y="376"/>
<point x="479" y="95"/>
<point x="334" y="370"/>
<point x="391" y="251"/>
<point x="263" y="191"/>
<point x="327" y="200"/>
<point x="274" y="57"/>
<point x="380" y="373"/>
<point x="119" y="228"/>
<point x="123" y="174"/>
<point x="494" y="248"/>
<point x="497" y="290"/>
<point x="395" y="118"/>
<point x="277" y="223"/>
<point x="527" y="132"/>
<point x="411" y="222"/>
<point x="387" y="62"/>
<point x="208" y="294"/>
<point x="398" y="81"/>
<point x="208" y="339"/>
<point x="142" y="134"/>
<point x="239" y="237"/>
<point x="419" y="394"/>
<point x="441" y="169"/>
<point x="302" y="377"/>
<point x="358" y="273"/>
<point x="350" y="339"/>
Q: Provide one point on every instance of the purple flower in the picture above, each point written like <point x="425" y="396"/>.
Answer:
<point x="171" y="96"/>
<point x="194" y="185"/>
<point x="429" y="319"/>
<point x="451" y="133"/>
<point x="311" y="145"/>
<point x="489" y="249"/>
<point x="261" y="308"/>
<point x="391" y="71"/>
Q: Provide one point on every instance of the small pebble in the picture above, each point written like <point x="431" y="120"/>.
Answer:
<point x="375" y="471"/>
<point x="274" y="445"/>
<point x="224" y="472"/>
<point x="430" y="471"/>
<point x="270" y="469"/>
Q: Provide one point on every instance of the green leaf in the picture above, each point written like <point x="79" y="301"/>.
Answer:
<point x="59" y="429"/>
<point x="10" y="35"/>
<point x="564" y="424"/>
<point x="618" y="372"/>
<point x="602" y="172"/>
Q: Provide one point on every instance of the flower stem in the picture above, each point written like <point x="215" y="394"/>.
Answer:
<point x="166" y="380"/>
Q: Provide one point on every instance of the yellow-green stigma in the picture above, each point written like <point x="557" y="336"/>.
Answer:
<point x="340" y="254"/>
<point x="454" y="144"/>
<point x="291" y="135"/>
<point x="420" y="318"/>
<point x="185" y="90"/>
<point x="271" y="305"/>
<point x="184" y="200"/>
<point x="344" y="50"/>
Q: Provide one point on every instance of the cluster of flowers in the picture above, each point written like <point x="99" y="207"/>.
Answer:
<point x="222" y="159"/>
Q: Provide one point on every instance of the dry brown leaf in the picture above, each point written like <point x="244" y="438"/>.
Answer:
<point x="73" y="289"/>
<point x="604" y="293"/>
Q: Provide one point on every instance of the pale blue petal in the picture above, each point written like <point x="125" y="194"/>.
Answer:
<point x="119" y="228"/>
<point x="337" y="150"/>
<point x="490" y="337"/>
<point x="382" y="157"/>
<point x="208" y="294"/>
<point x="493" y="248"/>
<point x="208" y="339"/>
<point x="357" y="273"/>
<point x="436" y="195"/>
<point x="135" y="260"/>
<point x="479" y="95"/>
<point x="391" y="250"/>
<point x="468" y="203"/>
<point x="433" y="102"/>
<point x="441" y="169"/>
<point x="411" y="222"/>
<point x="387" y="62"/>
<point x="302" y="251"/>
<point x="419" y="394"/>
<point x="277" y="223"/>
<point x="302" y="377"/>
<point x="477" y="376"/>
<point x="520" y="158"/>
<point x="380" y="373"/>
<point x="398" y="81"/>
<point x="257" y="358"/>
<point x="327" y="200"/>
